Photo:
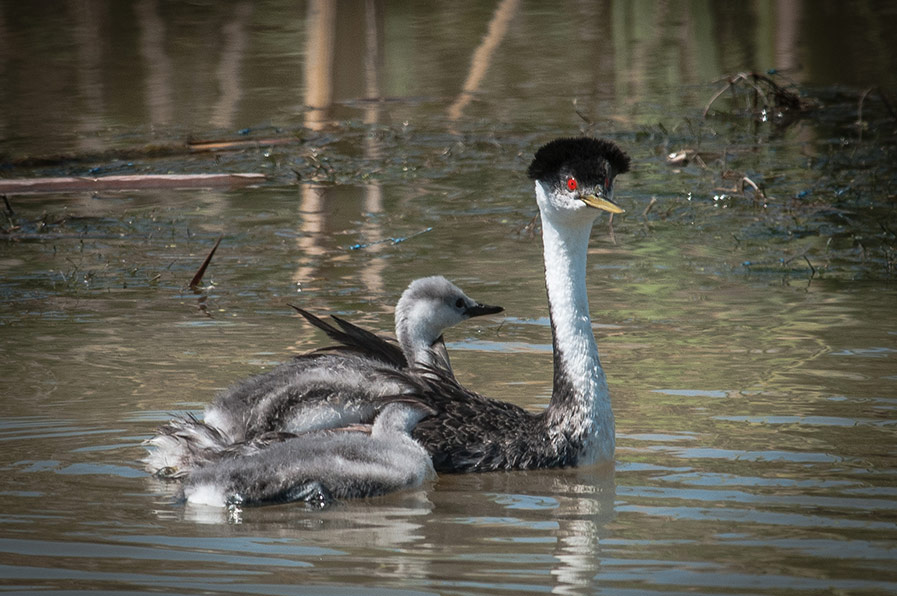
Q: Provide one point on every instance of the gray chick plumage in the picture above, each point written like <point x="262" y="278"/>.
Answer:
<point x="321" y="466"/>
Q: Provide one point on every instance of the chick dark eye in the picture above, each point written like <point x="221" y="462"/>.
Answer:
<point x="459" y="303"/>
<point x="571" y="184"/>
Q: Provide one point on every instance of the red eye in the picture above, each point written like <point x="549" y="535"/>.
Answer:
<point x="607" y="183"/>
<point x="571" y="184"/>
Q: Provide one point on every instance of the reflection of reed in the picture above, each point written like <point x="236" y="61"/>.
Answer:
<point x="87" y="31"/>
<point x="371" y="75"/>
<point x="234" y="38"/>
<point x="311" y="232"/>
<point x="4" y="73"/>
<point x="787" y="23"/>
<point x="482" y="57"/>
<point x="158" y="66"/>
<point x="372" y="232"/>
<point x="319" y="75"/>
<point x="318" y="98"/>
<point x="372" y="275"/>
<point x="319" y="62"/>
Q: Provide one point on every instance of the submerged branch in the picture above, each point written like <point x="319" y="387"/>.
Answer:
<point x="148" y="151"/>
<point x="130" y="182"/>
<point x="766" y="89"/>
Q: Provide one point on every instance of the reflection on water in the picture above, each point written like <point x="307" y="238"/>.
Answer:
<point x="749" y="340"/>
<point x="207" y="71"/>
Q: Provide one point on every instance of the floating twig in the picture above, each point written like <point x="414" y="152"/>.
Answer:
<point x="751" y="183"/>
<point x="684" y="156"/>
<point x="649" y="207"/>
<point x="680" y="158"/>
<point x="805" y="258"/>
<point x="860" y="105"/>
<point x="716" y="96"/>
<point x="747" y="181"/>
<point x="197" y="279"/>
<point x="859" y="123"/>
<point x="884" y="100"/>
<point x="579" y="113"/>
<point x="812" y="268"/>
<point x="530" y="228"/>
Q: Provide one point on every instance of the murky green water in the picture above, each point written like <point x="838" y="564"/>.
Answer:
<point x="750" y="339"/>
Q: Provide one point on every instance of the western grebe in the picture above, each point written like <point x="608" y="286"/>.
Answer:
<point x="574" y="181"/>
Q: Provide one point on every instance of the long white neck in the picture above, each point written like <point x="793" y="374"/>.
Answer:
<point x="580" y="405"/>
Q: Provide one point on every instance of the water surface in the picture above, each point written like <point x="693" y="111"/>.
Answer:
<point x="748" y="335"/>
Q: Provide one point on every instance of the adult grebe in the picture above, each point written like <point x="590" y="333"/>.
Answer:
<point x="321" y="466"/>
<point x="573" y="182"/>
<point x="326" y="388"/>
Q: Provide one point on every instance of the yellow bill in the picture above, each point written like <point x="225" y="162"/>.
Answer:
<point x="601" y="203"/>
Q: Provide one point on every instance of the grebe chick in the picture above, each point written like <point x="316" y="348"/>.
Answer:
<point x="326" y="388"/>
<point x="427" y="307"/>
<point x="574" y="182"/>
<point x="323" y="466"/>
<point x="340" y="385"/>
